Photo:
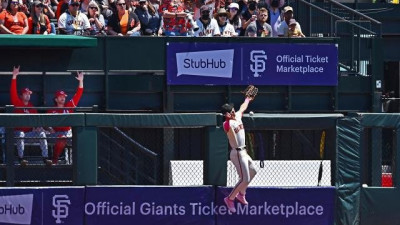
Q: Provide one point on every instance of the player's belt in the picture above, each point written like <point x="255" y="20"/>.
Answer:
<point x="241" y="148"/>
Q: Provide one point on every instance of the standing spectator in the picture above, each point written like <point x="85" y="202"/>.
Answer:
<point x="250" y="15"/>
<point x="208" y="27"/>
<point x="293" y="31"/>
<point x="123" y="22"/>
<point x="262" y="27"/>
<point x="274" y="15"/>
<point x="225" y="28"/>
<point x="62" y="133"/>
<point x="96" y="19"/>
<point x="73" y="21"/>
<point x="174" y="18"/>
<point x="24" y="101"/>
<point x="283" y="27"/>
<point x="150" y="20"/>
<point x="12" y="21"/>
<point x="38" y="22"/>
<point x="234" y="17"/>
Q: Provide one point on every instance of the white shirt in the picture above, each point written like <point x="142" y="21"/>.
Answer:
<point x="211" y="30"/>
<point x="275" y="21"/>
<point x="235" y="133"/>
<point x="73" y="24"/>
<point x="227" y="31"/>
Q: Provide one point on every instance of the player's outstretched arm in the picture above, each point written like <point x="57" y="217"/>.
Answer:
<point x="244" y="105"/>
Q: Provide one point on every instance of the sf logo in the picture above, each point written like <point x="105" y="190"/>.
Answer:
<point x="258" y="58"/>
<point x="61" y="204"/>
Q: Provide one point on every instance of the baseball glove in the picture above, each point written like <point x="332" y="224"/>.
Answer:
<point x="251" y="91"/>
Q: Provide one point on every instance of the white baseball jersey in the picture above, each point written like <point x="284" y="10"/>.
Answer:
<point x="235" y="131"/>
<point x="211" y="30"/>
<point x="70" y="23"/>
<point x="228" y="30"/>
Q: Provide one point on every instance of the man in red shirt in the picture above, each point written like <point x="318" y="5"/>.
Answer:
<point x="64" y="133"/>
<point x="23" y="100"/>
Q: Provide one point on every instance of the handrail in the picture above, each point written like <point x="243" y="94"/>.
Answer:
<point x="355" y="12"/>
<point x="336" y="16"/>
<point x="141" y="147"/>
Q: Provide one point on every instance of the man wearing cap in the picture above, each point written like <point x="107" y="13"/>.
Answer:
<point x="263" y="29"/>
<point x="64" y="133"/>
<point x="208" y="27"/>
<point x="73" y="21"/>
<point x="283" y="27"/>
<point x="24" y="101"/>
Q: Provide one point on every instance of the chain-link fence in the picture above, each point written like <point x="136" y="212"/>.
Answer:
<point x="282" y="158"/>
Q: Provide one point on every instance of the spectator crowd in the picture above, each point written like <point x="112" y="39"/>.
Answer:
<point x="199" y="18"/>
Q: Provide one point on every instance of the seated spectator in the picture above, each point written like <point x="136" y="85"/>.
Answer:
<point x="251" y="31"/>
<point x="225" y="28"/>
<point x="73" y="21"/>
<point x="174" y="18"/>
<point x="38" y="22"/>
<point x="150" y="20"/>
<point x="24" y="101"/>
<point x="293" y="31"/>
<point x="96" y="19"/>
<point x="25" y="6"/>
<point x="208" y="27"/>
<point x="64" y="133"/>
<point x="283" y="27"/>
<point x="262" y="27"/>
<point x="234" y="17"/>
<point x="123" y="22"/>
<point x="249" y="15"/>
<point x="12" y="21"/>
<point x="48" y="11"/>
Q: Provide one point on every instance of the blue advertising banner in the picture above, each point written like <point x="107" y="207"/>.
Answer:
<point x="280" y="206"/>
<point x="256" y="63"/>
<point x="42" y="206"/>
<point x="149" y="205"/>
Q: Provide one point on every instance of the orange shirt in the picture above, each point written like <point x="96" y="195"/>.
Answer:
<point x="123" y="22"/>
<point x="30" y="23"/>
<point x="15" y="23"/>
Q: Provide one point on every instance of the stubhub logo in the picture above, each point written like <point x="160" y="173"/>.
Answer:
<point x="218" y="63"/>
<point x="16" y="209"/>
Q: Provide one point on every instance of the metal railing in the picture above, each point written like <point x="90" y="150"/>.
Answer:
<point x="355" y="30"/>
<point x="124" y="160"/>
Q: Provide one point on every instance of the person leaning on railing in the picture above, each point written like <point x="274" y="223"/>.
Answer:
<point x="24" y="132"/>
<point x="64" y="133"/>
<point x="12" y="20"/>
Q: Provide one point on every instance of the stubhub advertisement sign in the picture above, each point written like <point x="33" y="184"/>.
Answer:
<point x="260" y="64"/>
<point x="42" y="206"/>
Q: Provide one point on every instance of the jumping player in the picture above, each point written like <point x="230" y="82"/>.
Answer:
<point x="234" y="130"/>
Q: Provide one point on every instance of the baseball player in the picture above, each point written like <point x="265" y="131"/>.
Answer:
<point x="64" y="132"/>
<point x="23" y="100"/>
<point x="234" y="130"/>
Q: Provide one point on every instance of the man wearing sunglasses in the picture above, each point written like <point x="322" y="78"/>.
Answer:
<point x="72" y="21"/>
<point x="208" y="27"/>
